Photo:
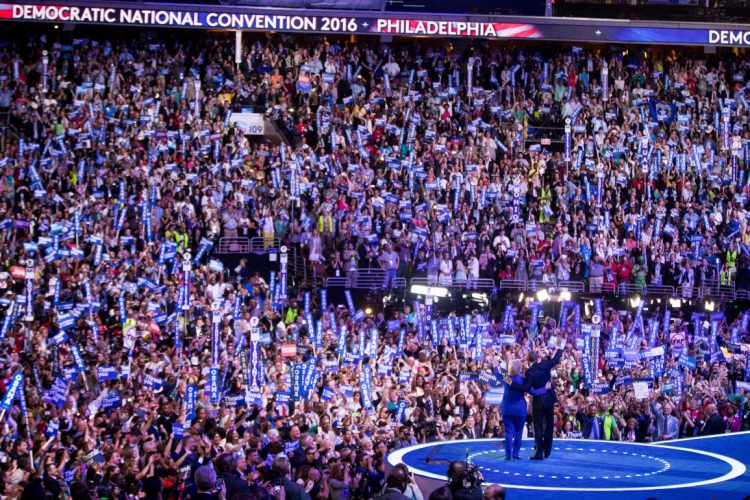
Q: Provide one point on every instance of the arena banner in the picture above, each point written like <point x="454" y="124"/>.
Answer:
<point x="378" y="23"/>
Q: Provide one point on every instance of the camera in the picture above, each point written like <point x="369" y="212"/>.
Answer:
<point x="464" y="478"/>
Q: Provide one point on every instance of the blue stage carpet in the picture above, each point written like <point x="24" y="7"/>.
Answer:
<point x="700" y="468"/>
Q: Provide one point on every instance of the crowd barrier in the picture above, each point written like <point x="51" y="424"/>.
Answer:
<point x="307" y="275"/>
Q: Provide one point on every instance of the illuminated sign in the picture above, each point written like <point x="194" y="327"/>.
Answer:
<point x="728" y="37"/>
<point x="455" y="28"/>
<point x="266" y="21"/>
<point x="378" y="23"/>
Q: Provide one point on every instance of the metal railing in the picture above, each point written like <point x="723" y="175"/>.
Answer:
<point x="369" y="278"/>
<point x="261" y="245"/>
<point x="536" y="285"/>
<point x="228" y="245"/>
<point x="715" y="290"/>
<point x="305" y="274"/>
<point x="571" y="286"/>
<point x="515" y="285"/>
<point x="337" y="281"/>
<point x="398" y="283"/>
<point x="629" y="289"/>
<point x="375" y="278"/>
<point x="687" y="292"/>
<point x="480" y="284"/>
<point x="659" y="290"/>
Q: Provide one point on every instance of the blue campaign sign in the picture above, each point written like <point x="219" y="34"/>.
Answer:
<point x="16" y="385"/>
<point x="190" y="401"/>
<point x="384" y="369"/>
<point x="58" y="392"/>
<point x="105" y="373"/>
<point x="152" y="382"/>
<point x="624" y="380"/>
<point x="686" y="361"/>
<point x="488" y="378"/>
<point x="613" y="354"/>
<point x="213" y="384"/>
<point x="328" y="394"/>
<point x="112" y="400"/>
<point x="234" y="400"/>
<point x="70" y="373"/>
<point x="347" y="389"/>
<point x="177" y="431"/>
<point x="282" y="397"/>
<point x="600" y="388"/>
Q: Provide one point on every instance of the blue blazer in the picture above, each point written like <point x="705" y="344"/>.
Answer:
<point x="514" y="404"/>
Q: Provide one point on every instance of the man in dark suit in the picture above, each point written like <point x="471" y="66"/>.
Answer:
<point x="471" y="430"/>
<point x="226" y="467"/>
<point x="205" y="484"/>
<point x="714" y="423"/>
<point x="396" y="485"/>
<point x="543" y="407"/>
<point x="592" y="426"/>
<point x="292" y="490"/>
<point x="427" y="402"/>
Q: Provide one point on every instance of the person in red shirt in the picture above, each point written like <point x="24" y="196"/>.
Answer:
<point x="623" y="270"/>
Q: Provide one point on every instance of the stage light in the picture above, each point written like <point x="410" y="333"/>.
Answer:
<point x="676" y="303"/>
<point x="368" y="310"/>
<point x="521" y="297"/>
<point x="435" y="291"/>
<point x="710" y="305"/>
<point x="565" y="295"/>
<point x="542" y="295"/>
<point x="635" y="301"/>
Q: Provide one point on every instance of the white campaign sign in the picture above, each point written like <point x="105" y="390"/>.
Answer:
<point x="641" y="390"/>
<point x="249" y="123"/>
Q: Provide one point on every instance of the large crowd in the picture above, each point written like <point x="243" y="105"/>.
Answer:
<point x="128" y="373"/>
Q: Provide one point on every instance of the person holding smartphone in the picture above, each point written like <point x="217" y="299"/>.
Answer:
<point x="206" y="485"/>
<point x="292" y="490"/>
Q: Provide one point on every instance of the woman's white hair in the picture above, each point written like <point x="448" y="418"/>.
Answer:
<point x="514" y="367"/>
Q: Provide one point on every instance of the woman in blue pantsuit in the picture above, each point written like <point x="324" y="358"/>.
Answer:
<point x="514" y="409"/>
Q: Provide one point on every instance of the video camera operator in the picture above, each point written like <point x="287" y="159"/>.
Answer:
<point x="465" y="481"/>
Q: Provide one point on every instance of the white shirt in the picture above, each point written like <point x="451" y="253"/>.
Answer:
<point x="216" y="290"/>
<point x="392" y="69"/>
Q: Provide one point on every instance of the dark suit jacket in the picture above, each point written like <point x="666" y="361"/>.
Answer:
<point x="293" y="491"/>
<point x="466" y="432"/>
<point x="587" y="424"/>
<point x="424" y="403"/>
<point x="297" y="457"/>
<point x="391" y="494"/>
<point x="714" y="425"/>
<point x="234" y="484"/>
<point x="537" y="377"/>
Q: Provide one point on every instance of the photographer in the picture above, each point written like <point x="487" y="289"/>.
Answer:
<point x="411" y="490"/>
<point x="465" y="481"/>
<point x="396" y="484"/>
<point x="371" y="480"/>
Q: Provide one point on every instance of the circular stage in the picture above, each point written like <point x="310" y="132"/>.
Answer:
<point x="575" y="465"/>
